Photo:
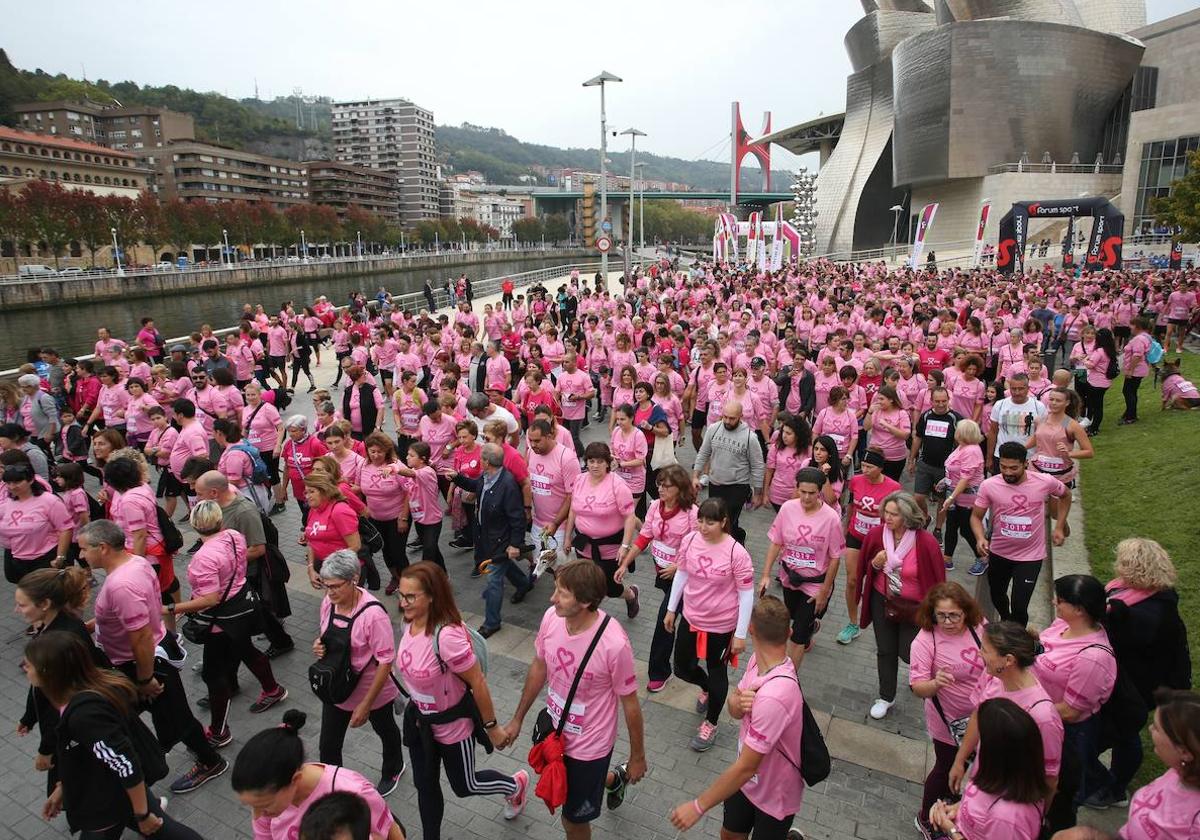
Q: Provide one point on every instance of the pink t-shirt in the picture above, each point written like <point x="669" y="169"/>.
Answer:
<point x="715" y="575"/>
<point x="385" y="491"/>
<point x="808" y="543"/>
<point x="211" y="566"/>
<point x="571" y="388"/>
<point x="1037" y="702"/>
<point x="372" y="641"/>
<point x="786" y="462"/>
<point x="866" y="503"/>
<point x="162" y="440"/>
<point x="893" y="448"/>
<point x="134" y="511"/>
<point x="591" y="728"/>
<point x="129" y="600"/>
<point x="263" y="430"/>
<point x="328" y="526"/>
<point x="424" y="500"/>
<point x="666" y="534"/>
<point x="286" y="826"/>
<point x="30" y="528"/>
<point x="1080" y="672"/>
<point x="958" y="654"/>
<point x="966" y="397"/>
<point x="551" y="478"/>
<point x="235" y="465"/>
<point x="965" y="462"/>
<point x="76" y="500"/>
<point x="437" y="435"/>
<point x="1165" y="809"/>
<point x="629" y="448"/>
<point x="1139" y="346"/>
<point x="843" y="428"/>
<point x="435" y="686"/>
<point x="985" y="816"/>
<point x="772" y="728"/>
<point x="600" y="509"/>
<point x="1018" y="528"/>
<point x="191" y="443"/>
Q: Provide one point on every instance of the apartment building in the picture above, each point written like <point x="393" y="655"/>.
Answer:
<point x="116" y="127"/>
<point x="341" y="185"/>
<point x="25" y="156"/>
<point x="195" y="171"/>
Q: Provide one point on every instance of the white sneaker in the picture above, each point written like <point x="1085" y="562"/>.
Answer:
<point x="881" y="707"/>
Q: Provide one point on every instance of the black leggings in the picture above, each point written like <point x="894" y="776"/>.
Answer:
<point x="715" y="680"/>
<point x="1095" y="406"/>
<point x="171" y="830"/>
<point x="1129" y="390"/>
<point x="458" y="760"/>
<point x="300" y="363"/>
<point x="1023" y="576"/>
<point x="735" y="497"/>
<point x="894" y="469"/>
<point x="335" y="722"/>
<point x="429" y="536"/>
<point x="958" y="521"/>
<point x="15" y="569"/>
<point x="223" y="654"/>
<point x="395" y="555"/>
<point x="937" y="783"/>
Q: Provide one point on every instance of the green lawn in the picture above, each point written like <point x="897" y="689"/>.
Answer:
<point x="1141" y="483"/>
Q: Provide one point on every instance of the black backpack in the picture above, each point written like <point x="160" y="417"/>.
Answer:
<point x="815" y="763"/>
<point x="332" y="677"/>
<point x="282" y="399"/>
<point x="274" y="571"/>
<point x="172" y="539"/>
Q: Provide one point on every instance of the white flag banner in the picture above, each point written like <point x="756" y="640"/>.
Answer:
<point x="977" y="254"/>
<point x="926" y="222"/>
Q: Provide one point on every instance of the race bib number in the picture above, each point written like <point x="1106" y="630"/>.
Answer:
<point x="663" y="554"/>
<point x="425" y="702"/>
<point x="575" y="718"/>
<point x="1016" y="527"/>
<point x="539" y="484"/>
<point x="1048" y="463"/>
<point x="800" y="557"/>
<point x="864" y="523"/>
<point x="937" y="428"/>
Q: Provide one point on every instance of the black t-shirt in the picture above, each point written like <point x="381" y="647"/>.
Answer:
<point x="936" y="432"/>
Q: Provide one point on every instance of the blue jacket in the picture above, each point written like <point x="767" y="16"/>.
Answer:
<point x="500" y="514"/>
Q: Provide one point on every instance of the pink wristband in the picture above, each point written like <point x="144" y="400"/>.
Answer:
<point x="696" y="805"/>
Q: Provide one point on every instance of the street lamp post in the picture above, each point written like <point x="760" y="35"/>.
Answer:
<point x="897" y="209"/>
<point x="641" y="205"/>
<point x="228" y="261"/>
<point x="117" y="253"/>
<point x="598" y="81"/>
<point x="634" y="134"/>
<point x="303" y="248"/>
<point x="358" y="233"/>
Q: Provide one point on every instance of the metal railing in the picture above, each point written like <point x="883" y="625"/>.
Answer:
<point x="900" y="250"/>
<point x="1059" y="168"/>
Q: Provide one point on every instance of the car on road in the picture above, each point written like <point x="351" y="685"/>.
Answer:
<point x="36" y="270"/>
<point x="165" y="265"/>
<point x="72" y="271"/>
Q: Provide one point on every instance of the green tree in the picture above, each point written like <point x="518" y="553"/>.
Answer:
<point x="556" y="228"/>
<point x="178" y="226"/>
<point x="528" y="229"/>
<point x="1181" y="209"/>
<point x="12" y="228"/>
<point x="121" y="215"/>
<point x="151" y="222"/>
<point x="45" y="208"/>
<point x="90" y="221"/>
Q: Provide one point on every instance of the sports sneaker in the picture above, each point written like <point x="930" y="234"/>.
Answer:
<point x="515" y="804"/>
<point x="795" y="834"/>
<point x="881" y="707"/>
<point x="216" y="740"/>
<point x="277" y="508"/>
<point x="705" y="737"/>
<point x="848" y="634"/>
<point x="616" y="794"/>
<point x="633" y="605"/>
<point x="1101" y="799"/>
<point x="197" y="776"/>
<point x="923" y="828"/>
<point x="978" y="567"/>
<point x="655" y="686"/>
<point x="267" y="699"/>
<point x="702" y="703"/>
<point x="387" y="784"/>
<point x="949" y="564"/>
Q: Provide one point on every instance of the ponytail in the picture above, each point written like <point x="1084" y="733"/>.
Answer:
<point x="271" y="759"/>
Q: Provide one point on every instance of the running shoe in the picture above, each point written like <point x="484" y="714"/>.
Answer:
<point x="1102" y="799"/>
<point x="655" y="686"/>
<point x="702" y="703"/>
<point x="267" y="699"/>
<point x="387" y="784"/>
<point x="795" y="834"/>
<point x="705" y="737"/>
<point x="194" y="547"/>
<point x="392" y="586"/>
<point x="459" y="542"/>
<point x="949" y="564"/>
<point x="216" y="740"/>
<point x="277" y="509"/>
<point x="633" y="605"/>
<point x="197" y="776"/>
<point x="923" y="828"/>
<point x="881" y="707"/>
<point x="515" y="804"/>
<point x="848" y="634"/>
<point x="615" y="795"/>
<point x="978" y="567"/>
<point x="275" y="651"/>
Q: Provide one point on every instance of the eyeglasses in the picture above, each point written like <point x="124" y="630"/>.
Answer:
<point x="948" y="617"/>
<point x="409" y="598"/>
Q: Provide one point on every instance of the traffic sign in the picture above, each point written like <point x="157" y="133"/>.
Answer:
<point x="603" y="244"/>
<point x="606" y="226"/>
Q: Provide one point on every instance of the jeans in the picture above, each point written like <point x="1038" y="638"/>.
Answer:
<point x="458" y="759"/>
<point x="493" y="593"/>
<point x="1129" y="390"/>
<point x="1126" y="760"/>
<point x="171" y="830"/>
<point x="892" y="643"/>
<point x="714" y="680"/>
<point x="1084" y="739"/>
<point x="335" y="722"/>
<point x="735" y="497"/>
<point x="1023" y="576"/>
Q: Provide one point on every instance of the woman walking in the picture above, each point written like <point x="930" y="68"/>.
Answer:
<point x="964" y="474"/>
<point x="601" y="522"/>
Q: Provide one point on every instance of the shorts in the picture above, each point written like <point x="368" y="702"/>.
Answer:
<point x="169" y="487"/>
<point x="386" y="376"/>
<point x="1178" y="322"/>
<point x="743" y="817"/>
<point x="804" y="615"/>
<point x="926" y="477"/>
<point x="700" y="418"/>
<point x="275" y="363"/>
<point x="853" y="540"/>
<point x="585" y="788"/>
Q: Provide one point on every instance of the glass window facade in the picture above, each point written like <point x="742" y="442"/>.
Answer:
<point x="1163" y="161"/>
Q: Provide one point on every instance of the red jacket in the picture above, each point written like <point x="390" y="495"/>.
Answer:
<point x="931" y="568"/>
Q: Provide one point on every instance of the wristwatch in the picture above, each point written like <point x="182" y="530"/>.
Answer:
<point x="489" y="724"/>
<point x="146" y="681"/>
<point x="954" y="833"/>
<point x="140" y="817"/>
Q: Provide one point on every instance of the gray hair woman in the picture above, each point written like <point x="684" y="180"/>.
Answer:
<point x="903" y="562"/>
<point x="43" y="410"/>
<point x="353" y="618"/>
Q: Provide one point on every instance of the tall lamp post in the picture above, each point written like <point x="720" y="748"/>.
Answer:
<point x="641" y="167"/>
<point x="303" y="247"/>
<point x="358" y="233"/>
<point x="634" y="134"/>
<point x="897" y="209"/>
<point x="598" y="81"/>
<point x="228" y="256"/>
<point x="117" y="252"/>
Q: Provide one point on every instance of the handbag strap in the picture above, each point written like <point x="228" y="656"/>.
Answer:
<point x="937" y="703"/>
<point x="562" y="719"/>
<point x="232" y="575"/>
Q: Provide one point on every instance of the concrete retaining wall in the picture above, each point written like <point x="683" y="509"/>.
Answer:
<point x="37" y="294"/>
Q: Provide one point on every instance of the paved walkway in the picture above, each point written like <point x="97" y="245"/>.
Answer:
<point x="873" y="792"/>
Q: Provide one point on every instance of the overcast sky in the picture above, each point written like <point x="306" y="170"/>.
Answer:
<point x="516" y="66"/>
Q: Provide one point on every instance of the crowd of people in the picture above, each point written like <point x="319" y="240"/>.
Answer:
<point x="884" y="416"/>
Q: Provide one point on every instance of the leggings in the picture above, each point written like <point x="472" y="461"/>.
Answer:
<point x="1095" y="406"/>
<point x="458" y="760"/>
<point x="715" y="680"/>
<point x="1023" y="577"/>
<point x="335" y="722"/>
<point x="575" y="427"/>
<point x="300" y="363"/>
<point x="894" y="469"/>
<point x="937" y="783"/>
<point x="958" y="521"/>
<point x="429" y="536"/>
<point x="339" y="357"/>
<point x="1129" y="390"/>
<point x="892" y="643"/>
<point x="223" y="653"/>
<point x="735" y="497"/>
<point x="171" y="830"/>
<point x="394" y="554"/>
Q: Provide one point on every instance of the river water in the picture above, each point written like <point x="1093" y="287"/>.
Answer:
<point x="72" y="330"/>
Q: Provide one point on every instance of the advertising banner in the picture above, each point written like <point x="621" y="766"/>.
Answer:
<point x="977" y="254"/>
<point x="927" y="214"/>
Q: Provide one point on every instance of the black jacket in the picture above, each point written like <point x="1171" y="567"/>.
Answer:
<point x="501" y="512"/>
<point x="1150" y="642"/>
<point x="366" y="405"/>
<point x="807" y="386"/>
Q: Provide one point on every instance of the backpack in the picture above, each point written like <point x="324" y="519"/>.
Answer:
<point x="1155" y="354"/>
<point x="478" y="645"/>
<point x="815" y="764"/>
<point x="259" y="474"/>
<point x="282" y="398"/>
<point x="172" y="539"/>
<point x="1124" y="713"/>
<point x="332" y="677"/>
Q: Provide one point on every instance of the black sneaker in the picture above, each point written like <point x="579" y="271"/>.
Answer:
<point x="279" y="650"/>
<point x="615" y="795"/>
<point x="520" y="594"/>
<point x="194" y="547"/>
<point x="475" y="571"/>
<point x="267" y="699"/>
<point x="279" y="508"/>
<point x="217" y="740"/>
<point x="387" y="784"/>
<point x="458" y="542"/>
<point x="197" y="776"/>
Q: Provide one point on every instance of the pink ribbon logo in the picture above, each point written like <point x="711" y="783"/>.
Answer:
<point x="589" y="501"/>
<point x="804" y="532"/>
<point x="565" y="660"/>
<point x="705" y="563"/>
<point x="16" y="516"/>
<point x="405" y="659"/>
<point x="540" y="468"/>
<point x="1020" y="502"/>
